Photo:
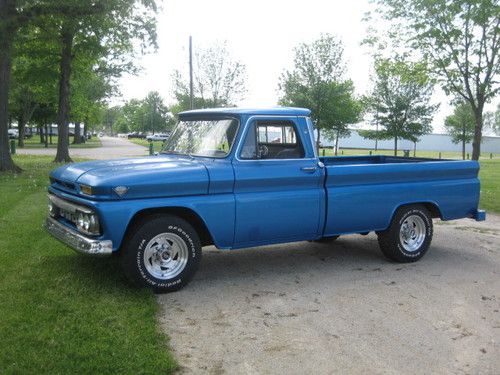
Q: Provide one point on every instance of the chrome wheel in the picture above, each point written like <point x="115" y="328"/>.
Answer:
<point x="165" y="256"/>
<point x="412" y="233"/>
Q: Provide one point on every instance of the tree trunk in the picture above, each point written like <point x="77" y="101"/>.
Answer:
<point x="64" y="87"/>
<point x="396" y="146"/>
<point x="336" y="143"/>
<point x="42" y="138"/>
<point x="21" y="127"/>
<point x="318" y="140"/>
<point x="478" y="133"/>
<point x="47" y="135"/>
<point x="463" y="143"/>
<point x="77" y="138"/>
<point x="7" y="33"/>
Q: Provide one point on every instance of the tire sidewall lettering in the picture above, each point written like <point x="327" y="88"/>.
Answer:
<point x="428" y="232"/>
<point x="146" y="276"/>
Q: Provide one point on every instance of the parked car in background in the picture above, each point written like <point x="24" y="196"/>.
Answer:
<point x="237" y="178"/>
<point x="139" y="135"/>
<point x="158" y="137"/>
<point x="13" y="134"/>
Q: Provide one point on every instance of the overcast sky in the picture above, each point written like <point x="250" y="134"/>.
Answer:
<point x="262" y="35"/>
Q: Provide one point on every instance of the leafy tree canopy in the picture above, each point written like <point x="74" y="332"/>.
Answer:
<point x="218" y="79"/>
<point x="317" y="81"/>
<point x="461" y="41"/>
<point x="400" y="100"/>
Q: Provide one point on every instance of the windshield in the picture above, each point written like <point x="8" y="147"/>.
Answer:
<point x="212" y="138"/>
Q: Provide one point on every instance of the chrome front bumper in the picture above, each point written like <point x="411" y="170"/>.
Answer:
<point x="78" y="241"/>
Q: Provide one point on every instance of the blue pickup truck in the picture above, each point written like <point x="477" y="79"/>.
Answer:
<point x="237" y="178"/>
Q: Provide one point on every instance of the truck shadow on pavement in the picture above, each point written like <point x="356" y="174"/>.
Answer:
<point x="302" y="260"/>
<point x="349" y="257"/>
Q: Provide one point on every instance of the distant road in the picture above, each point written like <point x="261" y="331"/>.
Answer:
<point x="112" y="148"/>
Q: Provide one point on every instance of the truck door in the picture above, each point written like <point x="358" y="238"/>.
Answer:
<point x="278" y="183"/>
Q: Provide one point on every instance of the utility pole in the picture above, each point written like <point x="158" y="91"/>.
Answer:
<point x="191" y="99"/>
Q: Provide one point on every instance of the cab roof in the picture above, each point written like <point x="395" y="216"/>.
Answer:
<point x="274" y="111"/>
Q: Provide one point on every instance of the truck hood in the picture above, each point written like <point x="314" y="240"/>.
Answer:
<point x="142" y="177"/>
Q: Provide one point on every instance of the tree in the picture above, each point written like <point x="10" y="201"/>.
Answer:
<point x="110" y="117"/>
<point x="219" y="80"/>
<point x="461" y="41"/>
<point x="156" y="113"/>
<point x="34" y="77"/>
<point x="400" y="100"/>
<point x="106" y="29"/>
<point x="317" y="82"/>
<point x="91" y="86"/>
<point x="12" y="16"/>
<point x="147" y="115"/>
<point x="110" y="28"/>
<point x="492" y="120"/>
<point x="44" y="116"/>
<point x="460" y="125"/>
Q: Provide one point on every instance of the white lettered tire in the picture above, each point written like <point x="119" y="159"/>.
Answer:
<point x="163" y="253"/>
<point x="409" y="236"/>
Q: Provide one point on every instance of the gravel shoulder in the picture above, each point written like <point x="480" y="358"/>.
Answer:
<point x="342" y="308"/>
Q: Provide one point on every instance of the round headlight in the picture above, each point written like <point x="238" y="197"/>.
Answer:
<point x="87" y="223"/>
<point x="52" y="209"/>
<point x="80" y="220"/>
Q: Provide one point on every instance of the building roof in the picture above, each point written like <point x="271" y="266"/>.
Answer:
<point x="274" y="111"/>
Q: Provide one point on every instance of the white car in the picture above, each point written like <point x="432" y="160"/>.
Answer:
<point x="157" y="137"/>
<point x="13" y="133"/>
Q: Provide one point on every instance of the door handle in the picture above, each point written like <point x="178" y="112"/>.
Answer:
<point x="309" y="169"/>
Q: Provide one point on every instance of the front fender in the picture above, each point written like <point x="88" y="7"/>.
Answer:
<point x="217" y="212"/>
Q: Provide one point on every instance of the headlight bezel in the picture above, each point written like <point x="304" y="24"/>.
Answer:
<point x="84" y="218"/>
<point x="88" y="223"/>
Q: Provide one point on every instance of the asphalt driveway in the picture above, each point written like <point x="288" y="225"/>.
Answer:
<point x="342" y="308"/>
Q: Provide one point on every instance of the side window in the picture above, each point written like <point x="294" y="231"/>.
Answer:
<point x="272" y="140"/>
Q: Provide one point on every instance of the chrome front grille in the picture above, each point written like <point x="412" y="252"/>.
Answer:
<point x="63" y="185"/>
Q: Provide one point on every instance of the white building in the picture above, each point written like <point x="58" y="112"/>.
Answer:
<point x="429" y="142"/>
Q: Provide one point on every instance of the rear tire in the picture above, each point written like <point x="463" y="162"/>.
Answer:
<point x="162" y="253"/>
<point x="409" y="236"/>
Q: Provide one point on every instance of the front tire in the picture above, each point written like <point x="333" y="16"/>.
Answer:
<point x="409" y="236"/>
<point x="162" y="253"/>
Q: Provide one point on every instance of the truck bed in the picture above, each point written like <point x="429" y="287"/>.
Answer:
<point x="364" y="191"/>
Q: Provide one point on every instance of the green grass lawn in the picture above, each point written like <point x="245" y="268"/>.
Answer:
<point x="490" y="185"/>
<point x="61" y="312"/>
<point x="157" y="145"/>
<point x="34" y="142"/>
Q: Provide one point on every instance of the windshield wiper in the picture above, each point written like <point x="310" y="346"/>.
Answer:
<point x="174" y="152"/>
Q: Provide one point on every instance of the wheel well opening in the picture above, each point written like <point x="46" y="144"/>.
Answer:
<point x="431" y="207"/>
<point x="433" y="210"/>
<point x="184" y="213"/>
